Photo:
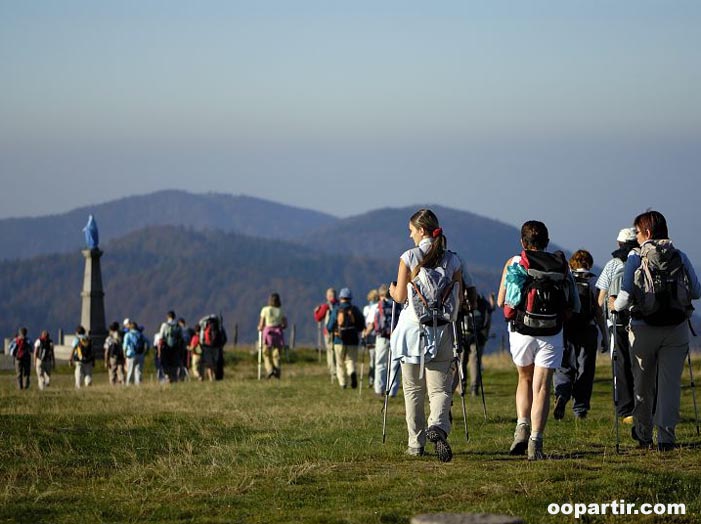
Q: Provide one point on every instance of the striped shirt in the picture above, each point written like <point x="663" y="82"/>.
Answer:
<point x="606" y="277"/>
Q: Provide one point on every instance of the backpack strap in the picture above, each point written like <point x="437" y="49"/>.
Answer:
<point x="448" y="291"/>
<point x="418" y="293"/>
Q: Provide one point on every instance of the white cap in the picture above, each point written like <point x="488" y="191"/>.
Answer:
<point x="627" y="234"/>
<point x="126" y="321"/>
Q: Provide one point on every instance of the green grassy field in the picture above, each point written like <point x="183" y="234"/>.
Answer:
<point x="299" y="450"/>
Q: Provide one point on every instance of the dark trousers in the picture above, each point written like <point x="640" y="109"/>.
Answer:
<point x="172" y="372"/>
<point x="575" y="377"/>
<point x="23" y="368"/>
<point x="624" y="373"/>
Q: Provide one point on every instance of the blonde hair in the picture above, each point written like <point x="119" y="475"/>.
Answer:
<point x="373" y="295"/>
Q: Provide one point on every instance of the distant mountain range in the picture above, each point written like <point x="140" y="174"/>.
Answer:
<point x="219" y="253"/>
<point x="484" y="244"/>
<point x="27" y="237"/>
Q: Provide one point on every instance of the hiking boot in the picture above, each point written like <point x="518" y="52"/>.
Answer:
<point x="520" y="443"/>
<point x="665" y="446"/>
<point x="415" y="452"/>
<point x="438" y="437"/>
<point x="580" y="415"/>
<point x="276" y="372"/>
<point x="559" y="411"/>
<point x="354" y="380"/>
<point x="644" y="444"/>
<point x="535" y="449"/>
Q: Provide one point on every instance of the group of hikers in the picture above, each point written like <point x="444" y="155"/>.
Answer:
<point x="349" y="335"/>
<point x="178" y="351"/>
<point x="553" y="315"/>
<point x="429" y="326"/>
<point x="644" y="298"/>
<point x="556" y="311"/>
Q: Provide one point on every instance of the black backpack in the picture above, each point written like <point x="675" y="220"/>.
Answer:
<point x="173" y="336"/>
<point x="85" y="351"/>
<point x="544" y="297"/>
<point x="45" y="351"/>
<point x="482" y="315"/>
<point x="140" y="347"/>
<point x="114" y="348"/>
<point x="587" y="310"/>
<point x="347" y="324"/>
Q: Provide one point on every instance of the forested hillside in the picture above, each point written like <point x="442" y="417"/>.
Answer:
<point x="151" y="271"/>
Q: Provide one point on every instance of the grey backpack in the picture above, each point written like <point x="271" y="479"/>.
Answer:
<point x="661" y="287"/>
<point x="434" y="296"/>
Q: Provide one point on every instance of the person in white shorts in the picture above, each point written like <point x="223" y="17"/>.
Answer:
<point x="537" y="352"/>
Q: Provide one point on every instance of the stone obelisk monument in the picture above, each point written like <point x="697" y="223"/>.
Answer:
<point x="92" y="316"/>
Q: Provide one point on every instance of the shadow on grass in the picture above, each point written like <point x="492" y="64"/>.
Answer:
<point x="503" y="456"/>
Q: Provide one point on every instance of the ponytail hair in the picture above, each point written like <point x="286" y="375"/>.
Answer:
<point x="427" y="219"/>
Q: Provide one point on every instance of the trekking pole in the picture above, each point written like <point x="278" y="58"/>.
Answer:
<point x="291" y="346"/>
<point x="693" y="392"/>
<point x="260" y="352"/>
<point x="318" y="340"/>
<point x="461" y="377"/>
<point x="363" y="348"/>
<point x="614" y="360"/>
<point x="387" y="383"/>
<point x="478" y="356"/>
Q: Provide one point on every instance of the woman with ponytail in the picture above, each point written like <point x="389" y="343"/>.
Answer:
<point x="424" y="371"/>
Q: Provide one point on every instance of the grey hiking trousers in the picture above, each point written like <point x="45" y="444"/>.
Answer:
<point x="658" y="354"/>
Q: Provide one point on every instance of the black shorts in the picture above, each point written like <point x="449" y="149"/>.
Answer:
<point x="210" y="357"/>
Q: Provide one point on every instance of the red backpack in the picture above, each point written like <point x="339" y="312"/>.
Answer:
<point x="212" y="332"/>
<point x="21" y="348"/>
<point x="383" y="318"/>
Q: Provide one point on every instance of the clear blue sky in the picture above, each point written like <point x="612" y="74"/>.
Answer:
<point x="581" y="113"/>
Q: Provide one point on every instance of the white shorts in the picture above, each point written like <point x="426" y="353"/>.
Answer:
<point x="544" y="352"/>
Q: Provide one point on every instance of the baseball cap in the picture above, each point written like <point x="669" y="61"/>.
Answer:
<point x="627" y="234"/>
<point x="345" y="293"/>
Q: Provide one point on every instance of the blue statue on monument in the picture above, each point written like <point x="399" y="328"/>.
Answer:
<point x="92" y="238"/>
<point x="92" y="315"/>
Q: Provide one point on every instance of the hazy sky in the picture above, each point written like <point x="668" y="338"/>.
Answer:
<point x="580" y="113"/>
